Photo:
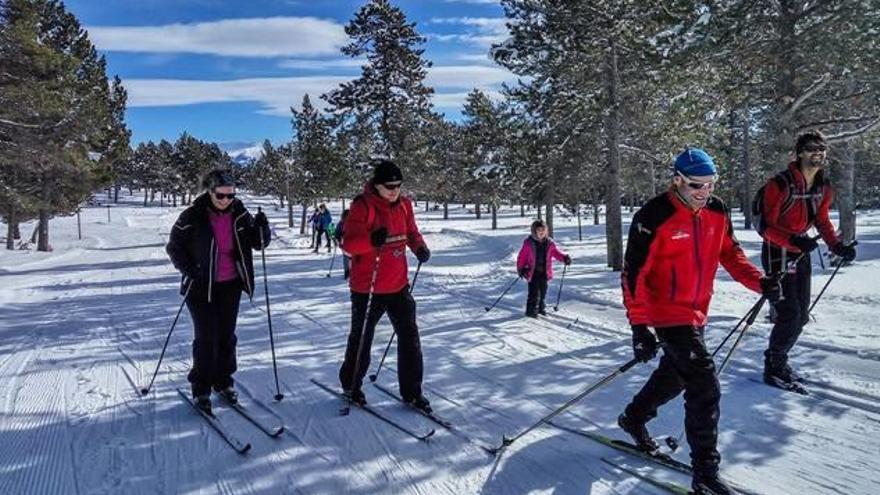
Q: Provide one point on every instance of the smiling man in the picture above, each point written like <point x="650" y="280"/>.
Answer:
<point x="794" y="201"/>
<point x="676" y="242"/>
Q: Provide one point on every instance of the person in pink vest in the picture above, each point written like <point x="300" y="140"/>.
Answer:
<point x="535" y="264"/>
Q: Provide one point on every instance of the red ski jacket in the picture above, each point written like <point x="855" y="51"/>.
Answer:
<point x="369" y="212"/>
<point x="790" y="209"/>
<point x="671" y="258"/>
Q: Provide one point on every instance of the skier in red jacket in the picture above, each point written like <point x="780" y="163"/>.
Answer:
<point x="379" y="228"/>
<point x="676" y="242"/>
<point x="795" y="200"/>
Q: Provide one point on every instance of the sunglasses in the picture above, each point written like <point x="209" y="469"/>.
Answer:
<point x="697" y="185"/>
<point x="224" y="195"/>
<point x="813" y="148"/>
<point x="392" y="187"/>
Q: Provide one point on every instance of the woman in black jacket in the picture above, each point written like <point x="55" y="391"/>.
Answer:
<point x="211" y="244"/>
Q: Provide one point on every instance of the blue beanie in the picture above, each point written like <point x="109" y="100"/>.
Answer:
<point x="695" y="162"/>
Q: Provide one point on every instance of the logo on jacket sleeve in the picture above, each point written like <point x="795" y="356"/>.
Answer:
<point x="680" y="234"/>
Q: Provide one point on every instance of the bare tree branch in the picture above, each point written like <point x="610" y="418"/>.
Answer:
<point x="850" y="135"/>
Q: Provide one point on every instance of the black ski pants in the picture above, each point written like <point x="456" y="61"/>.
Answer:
<point x="685" y="365"/>
<point x="792" y="312"/>
<point x="323" y="233"/>
<point x="214" y="340"/>
<point x="537" y="293"/>
<point x="401" y="309"/>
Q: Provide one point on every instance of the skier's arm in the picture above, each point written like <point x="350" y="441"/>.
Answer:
<point x="522" y="259"/>
<point x="414" y="238"/>
<point x="556" y="253"/>
<point x="181" y="236"/>
<point x="736" y="262"/>
<point x="774" y="197"/>
<point x="823" y="223"/>
<point x="638" y="260"/>
<point x="356" y="237"/>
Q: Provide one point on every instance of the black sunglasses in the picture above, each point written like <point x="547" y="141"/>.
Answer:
<point x="392" y="186"/>
<point x="812" y="148"/>
<point x="224" y="195"/>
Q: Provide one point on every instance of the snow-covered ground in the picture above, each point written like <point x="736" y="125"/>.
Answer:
<point x="82" y="326"/>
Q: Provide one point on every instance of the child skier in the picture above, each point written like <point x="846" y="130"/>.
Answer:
<point x="535" y="264"/>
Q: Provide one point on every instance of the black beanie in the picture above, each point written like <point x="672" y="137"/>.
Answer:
<point x="218" y="178"/>
<point x="386" y="171"/>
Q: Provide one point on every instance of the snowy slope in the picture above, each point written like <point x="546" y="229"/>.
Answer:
<point x="82" y="326"/>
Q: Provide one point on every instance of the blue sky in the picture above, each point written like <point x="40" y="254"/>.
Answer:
<point x="229" y="70"/>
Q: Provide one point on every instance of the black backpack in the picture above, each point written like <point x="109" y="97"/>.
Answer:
<point x="785" y="181"/>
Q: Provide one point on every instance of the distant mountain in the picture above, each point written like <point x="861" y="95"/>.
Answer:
<point x="242" y="152"/>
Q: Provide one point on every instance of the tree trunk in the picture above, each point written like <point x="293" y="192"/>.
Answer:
<point x="11" y="225"/>
<point x="595" y="212"/>
<point x="146" y="196"/>
<point x="549" y="220"/>
<point x="426" y="206"/>
<point x="522" y="210"/>
<point x="343" y="204"/>
<point x="845" y="190"/>
<point x="445" y="210"/>
<point x="477" y="209"/>
<point x="116" y="194"/>
<point x="302" y="225"/>
<point x="613" y="222"/>
<point x="290" y="213"/>
<point x="540" y="217"/>
<point x="281" y="199"/>
<point x="580" y="232"/>
<point x="162" y="199"/>
<point x="746" y="168"/>
<point x="16" y="232"/>
<point x="43" y="226"/>
<point x="494" y="216"/>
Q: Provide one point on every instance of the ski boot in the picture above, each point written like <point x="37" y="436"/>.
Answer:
<point x="710" y="484"/>
<point x="356" y="397"/>
<point x="228" y="394"/>
<point x="203" y="402"/>
<point x="420" y="403"/>
<point x="639" y="434"/>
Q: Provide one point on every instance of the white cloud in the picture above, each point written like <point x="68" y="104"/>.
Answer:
<point x="485" y="40"/>
<point x="497" y="24"/>
<point x="311" y="64"/>
<point x="276" y="95"/>
<point x="482" y="2"/>
<point x="257" y="37"/>
<point x="484" y="32"/>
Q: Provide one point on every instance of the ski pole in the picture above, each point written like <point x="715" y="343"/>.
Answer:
<point x="833" y="274"/>
<point x="489" y="308"/>
<point x="146" y="390"/>
<point x="559" y="292"/>
<point x="393" y="332"/>
<point x="278" y="394"/>
<point x="333" y="259"/>
<point x="357" y="359"/>
<point x="592" y="388"/>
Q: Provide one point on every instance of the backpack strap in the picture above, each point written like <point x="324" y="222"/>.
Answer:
<point x="785" y="181"/>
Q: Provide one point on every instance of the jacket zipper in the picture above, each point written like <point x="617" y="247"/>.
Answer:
<point x="672" y="292"/>
<point x="247" y="282"/>
<point x="697" y="258"/>
<point x="211" y="272"/>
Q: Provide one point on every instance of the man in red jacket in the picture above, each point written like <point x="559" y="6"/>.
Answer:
<point x="795" y="200"/>
<point x="676" y="242"/>
<point x="379" y="228"/>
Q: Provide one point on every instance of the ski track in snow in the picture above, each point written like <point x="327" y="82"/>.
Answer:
<point x="81" y="329"/>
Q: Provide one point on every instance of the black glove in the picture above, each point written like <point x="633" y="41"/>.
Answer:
<point x="524" y="272"/>
<point x="567" y="260"/>
<point x="847" y="252"/>
<point x="644" y="343"/>
<point x="804" y="244"/>
<point x="260" y="220"/>
<point x="378" y="236"/>
<point x="192" y="272"/>
<point x="771" y="287"/>
<point x="423" y="254"/>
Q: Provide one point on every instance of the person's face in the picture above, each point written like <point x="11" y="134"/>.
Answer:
<point x="813" y="155"/>
<point x="389" y="191"/>
<point x="222" y="196"/>
<point x="694" y="189"/>
<point x="540" y="233"/>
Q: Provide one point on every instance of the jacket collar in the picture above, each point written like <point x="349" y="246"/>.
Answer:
<point x="801" y="181"/>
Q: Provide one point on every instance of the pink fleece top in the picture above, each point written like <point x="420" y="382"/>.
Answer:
<point x="221" y="224"/>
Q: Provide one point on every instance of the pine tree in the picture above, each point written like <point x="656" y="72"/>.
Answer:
<point x="390" y="95"/>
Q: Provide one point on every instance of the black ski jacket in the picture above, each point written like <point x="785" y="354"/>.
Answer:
<point x="193" y="250"/>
